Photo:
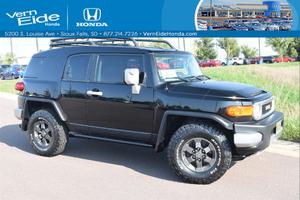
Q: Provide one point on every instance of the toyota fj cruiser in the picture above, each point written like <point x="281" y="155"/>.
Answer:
<point x="118" y="90"/>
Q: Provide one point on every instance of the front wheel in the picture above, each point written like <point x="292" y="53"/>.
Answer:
<point x="199" y="153"/>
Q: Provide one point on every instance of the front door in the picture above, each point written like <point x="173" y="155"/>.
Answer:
<point x="112" y="110"/>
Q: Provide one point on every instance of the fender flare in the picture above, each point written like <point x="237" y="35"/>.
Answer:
<point x="162" y="129"/>
<point x="56" y="106"/>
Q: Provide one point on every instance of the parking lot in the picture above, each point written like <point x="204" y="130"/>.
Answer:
<point x="93" y="169"/>
<point x="238" y="24"/>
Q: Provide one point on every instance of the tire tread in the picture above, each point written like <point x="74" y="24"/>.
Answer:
<point x="184" y="131"/>
<point x="62" y="138"/>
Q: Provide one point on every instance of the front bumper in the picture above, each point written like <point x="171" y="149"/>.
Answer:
<point x="251" y="138"/>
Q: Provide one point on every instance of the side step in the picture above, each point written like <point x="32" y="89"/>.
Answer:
<point x="110" y="140"/>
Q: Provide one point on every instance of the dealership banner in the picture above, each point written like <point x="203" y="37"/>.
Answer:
<point x="149" y="18"/>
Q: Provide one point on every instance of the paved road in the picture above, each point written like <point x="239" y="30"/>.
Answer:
<point x="99" y="170"/>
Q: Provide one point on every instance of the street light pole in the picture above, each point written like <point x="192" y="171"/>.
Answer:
<point x="11" y="46"/>
<point x="37" y="44"/>
<point x="227" y="53"/>
<point x="178" y="40"/>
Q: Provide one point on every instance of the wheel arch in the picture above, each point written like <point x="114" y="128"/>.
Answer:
<point x="182" y="117"/>
<point x="32" y="105"/>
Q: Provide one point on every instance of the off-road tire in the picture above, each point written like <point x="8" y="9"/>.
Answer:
<point x="60" y="134"/>
<point x="199" y="130"/>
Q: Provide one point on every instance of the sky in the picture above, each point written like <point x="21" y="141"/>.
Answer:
<point x="24" y="48"/>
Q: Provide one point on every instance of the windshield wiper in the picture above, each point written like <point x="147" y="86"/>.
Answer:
<point x="200" y="77"/>
<point x="203" y="77"/>
<point x="183" y="79"/>
<point x="190" y="78"/>
<point x="177" y="79"/>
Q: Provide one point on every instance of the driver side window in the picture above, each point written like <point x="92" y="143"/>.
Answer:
<point x="110" y="68"/>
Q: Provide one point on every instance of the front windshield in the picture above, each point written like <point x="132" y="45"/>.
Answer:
<point x="172" y="67"/>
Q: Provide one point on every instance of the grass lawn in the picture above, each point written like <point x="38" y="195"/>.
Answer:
<point x="281" y="79"/>
<point x="8" y="86"/>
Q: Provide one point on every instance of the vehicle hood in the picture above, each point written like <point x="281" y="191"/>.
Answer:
<point x="216" y="88"/>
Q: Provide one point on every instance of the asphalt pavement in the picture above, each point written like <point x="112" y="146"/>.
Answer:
<point x="102" y="170"/>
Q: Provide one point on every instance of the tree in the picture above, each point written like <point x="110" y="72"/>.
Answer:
<point x="280" y="45"/>
<point x="248" y="52"/>
<point x="294" y="48"/>
<point x="292" y="52"/>
<point x="296" y="42"/>
<point x="9" y="58"/>
<point x="205" y="49"/>
<point x="285" y="46"/>
<point x="230" y="46"/>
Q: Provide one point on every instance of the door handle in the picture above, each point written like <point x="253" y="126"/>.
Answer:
<point x="93" y="93"/>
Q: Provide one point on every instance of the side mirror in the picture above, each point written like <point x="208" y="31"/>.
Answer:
<point x="132" y="77"/>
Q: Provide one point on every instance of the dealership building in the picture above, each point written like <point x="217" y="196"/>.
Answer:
<point x="267" y="9"/>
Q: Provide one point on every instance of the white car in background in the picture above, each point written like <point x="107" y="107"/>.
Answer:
<point x="233" y="61"/>
<point x="272" y="27"/>
<point x="202" y="25"/>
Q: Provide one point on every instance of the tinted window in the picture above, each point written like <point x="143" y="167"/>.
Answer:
<point x="36" y="67"/>
<point x="76" y="67"/>
<point x="110" y="68"/>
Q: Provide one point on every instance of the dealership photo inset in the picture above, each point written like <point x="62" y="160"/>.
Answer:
<point x="243" y="15"/>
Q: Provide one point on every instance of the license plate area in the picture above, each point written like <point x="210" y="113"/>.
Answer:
<point x="278" y="127"/>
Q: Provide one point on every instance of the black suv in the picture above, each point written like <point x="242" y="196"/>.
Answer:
<point x="116" y="90"/>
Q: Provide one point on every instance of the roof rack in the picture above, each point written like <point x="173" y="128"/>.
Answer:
<point x="65" y="42"/>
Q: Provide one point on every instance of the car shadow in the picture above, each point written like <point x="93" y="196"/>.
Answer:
<point x="140" y="159"/>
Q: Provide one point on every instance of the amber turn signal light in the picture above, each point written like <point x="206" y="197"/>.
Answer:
<point x="239" y="111"/>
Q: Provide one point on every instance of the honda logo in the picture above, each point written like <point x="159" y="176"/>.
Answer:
<point x="91" y="14"/>
<point x="92" y="18"/>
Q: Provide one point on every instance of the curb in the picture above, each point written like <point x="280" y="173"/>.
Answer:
<point x="285" y="148"/>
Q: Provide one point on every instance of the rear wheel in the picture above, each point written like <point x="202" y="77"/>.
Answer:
<point x="47" y="134"/>
<point x="199" y="153"/>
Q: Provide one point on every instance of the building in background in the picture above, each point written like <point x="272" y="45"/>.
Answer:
<point x="266" y="9"/>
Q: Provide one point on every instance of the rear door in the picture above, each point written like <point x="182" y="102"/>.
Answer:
<point x="114" y="111"/>
<point x="73" y="90"/>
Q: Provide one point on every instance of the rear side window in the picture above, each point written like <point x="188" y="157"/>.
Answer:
<point x="36" y="67"/>
<point x="110" y="68"/>
<point x="76" y="67"/>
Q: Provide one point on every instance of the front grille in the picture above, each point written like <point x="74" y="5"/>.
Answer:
<point x="264" y="108"/>
<point x="267" y="107"/>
